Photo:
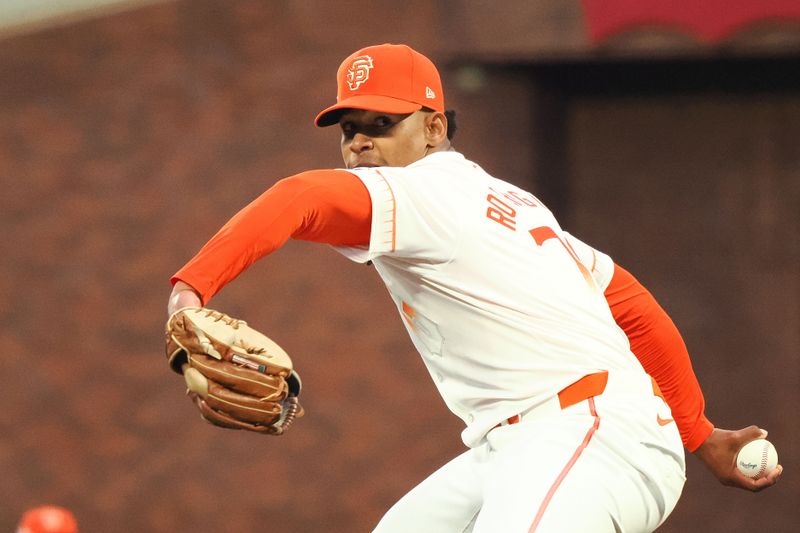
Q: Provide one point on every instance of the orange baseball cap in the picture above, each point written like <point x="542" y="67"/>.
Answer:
<point x="389" y="78"/>
<point x="48" y="519"/>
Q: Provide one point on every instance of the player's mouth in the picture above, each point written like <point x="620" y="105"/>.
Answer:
<point x="361" y="164"/>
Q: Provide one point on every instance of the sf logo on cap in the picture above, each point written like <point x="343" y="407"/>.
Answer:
<point x="358" y="72"/>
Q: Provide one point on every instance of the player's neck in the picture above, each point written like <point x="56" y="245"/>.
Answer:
<point x="443" y="147"/>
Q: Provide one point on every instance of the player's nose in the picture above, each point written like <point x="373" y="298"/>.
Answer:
<point x="361" y="142"/>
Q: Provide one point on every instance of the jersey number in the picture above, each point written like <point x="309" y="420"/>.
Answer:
<point x="545" y="233"/>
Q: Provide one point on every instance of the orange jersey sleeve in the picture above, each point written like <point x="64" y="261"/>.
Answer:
<point x="326" y="206"/>
<point x="658" y="345"/>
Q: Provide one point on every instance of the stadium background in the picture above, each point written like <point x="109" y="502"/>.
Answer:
<point x="127" y="137"/>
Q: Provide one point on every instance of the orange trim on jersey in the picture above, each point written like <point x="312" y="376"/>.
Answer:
<point x="658" y="345"/>
<point x="393" y="240"/>
<point x="327" y="206"/>
<point x="578" y="451"/>
<point x="408" y="315"/>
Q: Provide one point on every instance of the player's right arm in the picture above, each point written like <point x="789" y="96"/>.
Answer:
<point x="326" y="206"/>
<point x="658" y="345"/>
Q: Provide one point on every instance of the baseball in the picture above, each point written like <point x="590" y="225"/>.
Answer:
<point x="757" y="458"/>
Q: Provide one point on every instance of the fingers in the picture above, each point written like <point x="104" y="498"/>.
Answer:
<point x="770" y="479"/>
<point x="759" y="484"/>
<point x="751" y="433"/>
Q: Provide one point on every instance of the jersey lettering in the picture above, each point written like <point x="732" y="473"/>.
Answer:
<point x="519" y="198"/>
<point x="501" y="212"/>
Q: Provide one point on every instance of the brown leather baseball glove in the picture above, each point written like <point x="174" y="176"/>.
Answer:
<point x="238" y="378"/>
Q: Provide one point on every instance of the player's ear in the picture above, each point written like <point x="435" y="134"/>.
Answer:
<point x="435" y="128"/>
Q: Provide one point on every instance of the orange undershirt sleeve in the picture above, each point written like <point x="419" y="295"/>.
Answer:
<point x="326" y="206"/>
<point x="658" y="345"/>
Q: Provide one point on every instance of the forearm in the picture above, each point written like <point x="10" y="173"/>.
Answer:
<point x="328" y="206"/>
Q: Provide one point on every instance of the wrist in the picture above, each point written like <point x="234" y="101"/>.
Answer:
<point x="183" y="295"/>
<point x="702" y="430"/>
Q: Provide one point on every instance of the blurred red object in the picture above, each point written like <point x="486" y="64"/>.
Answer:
<point x="710" y="20"/>
<point x="48" y="519"/>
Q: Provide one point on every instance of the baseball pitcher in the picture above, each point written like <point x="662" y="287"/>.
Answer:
<point x="575" y="388"/>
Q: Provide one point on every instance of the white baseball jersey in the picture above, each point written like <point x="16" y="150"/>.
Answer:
<point x="504" y="306"/>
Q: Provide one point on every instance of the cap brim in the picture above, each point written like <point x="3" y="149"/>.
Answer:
<point x="381" y="104"/>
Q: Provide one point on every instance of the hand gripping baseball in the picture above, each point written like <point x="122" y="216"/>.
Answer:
<point x="719" y="452"/>
<point x="237" y="377"/>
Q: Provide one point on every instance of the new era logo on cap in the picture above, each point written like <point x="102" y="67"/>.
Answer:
<point x="387" y="78"/>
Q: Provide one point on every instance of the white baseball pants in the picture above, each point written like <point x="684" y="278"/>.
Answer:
<point x="612" y="463"/>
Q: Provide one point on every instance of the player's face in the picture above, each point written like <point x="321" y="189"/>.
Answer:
<point x="372" y="139"/>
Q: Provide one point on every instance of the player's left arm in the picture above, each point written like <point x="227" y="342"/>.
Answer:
<point x="324" y="206"/>
<point x="657" y="343"/>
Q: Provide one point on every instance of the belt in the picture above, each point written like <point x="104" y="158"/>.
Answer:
<point x="587" y="387"/>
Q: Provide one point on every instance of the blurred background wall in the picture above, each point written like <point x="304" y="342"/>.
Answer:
<point x="127" y="139"/>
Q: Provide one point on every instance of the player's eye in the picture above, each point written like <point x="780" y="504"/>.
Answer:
<point x="382" y="121"/>
<point x="348" y="129"/>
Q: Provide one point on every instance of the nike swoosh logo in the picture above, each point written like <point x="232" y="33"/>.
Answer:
<point x="664" y="421"/>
